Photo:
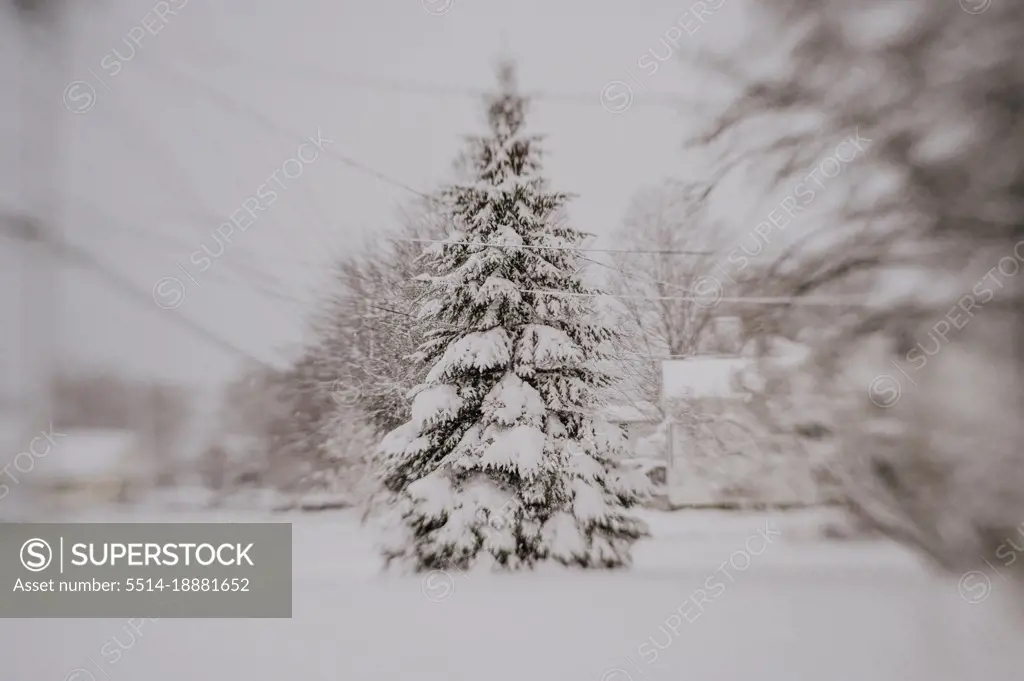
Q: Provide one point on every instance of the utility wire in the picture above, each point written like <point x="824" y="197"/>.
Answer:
<point x="637" y="276"/>
<point x="637" y="357"/>
<point x="126" y="288"/>
<point x="237" y="107"/>
<point x="183" y="186"/>
<point x="326" y="75"/>
<point x="391" y="310"/>
<point x="711" y="300"/>
<point x="152" y="238"/>
<point x="558" y="248"/>
<point x="767" y="300"/>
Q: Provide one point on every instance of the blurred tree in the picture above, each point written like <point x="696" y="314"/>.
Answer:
<point x="933" y="205"/>
<point x="367" y="326"/>
<point x="665" y="221"/>
<point x="352" y="378"/>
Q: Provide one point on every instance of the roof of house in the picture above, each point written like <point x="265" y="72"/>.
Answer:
<point x="701" y="376"/>
<point x="718" y="376"/>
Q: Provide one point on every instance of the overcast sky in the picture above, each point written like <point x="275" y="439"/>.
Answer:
<point x="186" y="127"/>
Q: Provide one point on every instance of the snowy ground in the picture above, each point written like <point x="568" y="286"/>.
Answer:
<point x="796" y="609"/>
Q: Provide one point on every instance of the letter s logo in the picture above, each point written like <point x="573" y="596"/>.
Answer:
<point x="79" y="97"/>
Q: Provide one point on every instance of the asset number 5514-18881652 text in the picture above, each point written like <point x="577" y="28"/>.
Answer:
<point x="188" y="584"/>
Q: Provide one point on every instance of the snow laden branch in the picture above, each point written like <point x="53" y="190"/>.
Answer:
<point x="504" y="462"/>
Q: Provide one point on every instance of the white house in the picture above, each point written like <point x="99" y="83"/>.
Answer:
<point x="719" y="450"/>
<point x="88" y="466"/>
<point x="701" y="377"/>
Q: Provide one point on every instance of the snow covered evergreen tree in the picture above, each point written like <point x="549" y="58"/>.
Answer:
<point x="504" y="462"/>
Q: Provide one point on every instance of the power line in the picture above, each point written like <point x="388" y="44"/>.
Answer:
<point x="637" y="357"/>
<point x="240" y="108"/>
<point x="125" y="287"/>
<point x="710" y="301"/>
<point x="648" y="358"/>
<point x="168" y="166"/>
<point x="105" y="221"/>
<point x="558" y="248"/>
<point x="638" y="277"/>
<point x="164" y="163"/>
<point x="321" y="74"/>
<point x="391" y="310"/>
<point x="185" y="187"/>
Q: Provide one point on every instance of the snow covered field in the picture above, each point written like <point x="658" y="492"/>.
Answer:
<point x="790" y="607"/>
